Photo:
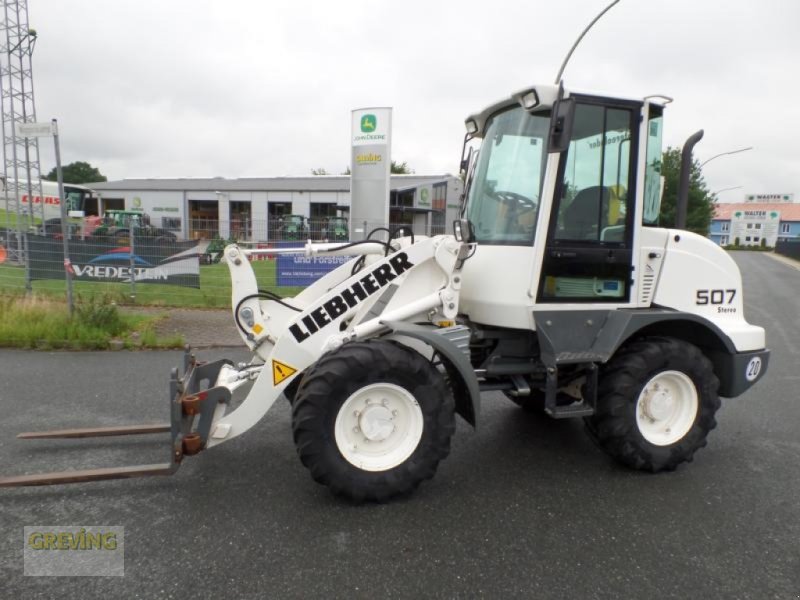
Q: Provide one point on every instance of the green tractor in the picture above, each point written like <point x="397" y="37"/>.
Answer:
<point x="118" y="224"/>
<point x="335" y="229"/>
<point x="213" y="252"/>
<point x="292" y="228"/>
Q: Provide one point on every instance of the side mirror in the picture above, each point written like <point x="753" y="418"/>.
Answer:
<point x="466" y="160"/>
<point x="561" y="125"/>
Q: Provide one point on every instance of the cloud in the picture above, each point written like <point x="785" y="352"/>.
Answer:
<point x="245" y="88"/>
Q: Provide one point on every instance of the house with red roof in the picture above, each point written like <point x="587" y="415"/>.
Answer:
<point x="756" y="223"/>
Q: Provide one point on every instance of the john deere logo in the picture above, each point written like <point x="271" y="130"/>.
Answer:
<point x="368" y="130"/>
<point x="368" y="123"/>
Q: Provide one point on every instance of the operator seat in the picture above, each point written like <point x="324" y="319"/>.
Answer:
<point x="582" y="217"/>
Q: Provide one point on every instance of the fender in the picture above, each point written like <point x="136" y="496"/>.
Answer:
<point x="595" y="335"/>
<point x="462" y="376"/>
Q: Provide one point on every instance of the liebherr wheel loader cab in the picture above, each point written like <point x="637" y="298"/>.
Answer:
<point x="579" y="305"/>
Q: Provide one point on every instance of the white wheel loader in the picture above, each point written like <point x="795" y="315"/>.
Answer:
<point x="557" y="289"/>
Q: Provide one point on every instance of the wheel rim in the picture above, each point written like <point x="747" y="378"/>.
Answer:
<point x="378" y="427"/>
<point x="666" y="408"/>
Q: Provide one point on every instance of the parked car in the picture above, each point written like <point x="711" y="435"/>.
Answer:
<point x="117" y="224"/>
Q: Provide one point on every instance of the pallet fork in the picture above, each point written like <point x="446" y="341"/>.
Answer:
<point x="194" y="398"/>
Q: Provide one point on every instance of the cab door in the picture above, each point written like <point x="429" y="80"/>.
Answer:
<point x="588" y="252"/>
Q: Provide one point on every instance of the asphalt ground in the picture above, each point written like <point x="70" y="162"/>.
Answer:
<point x="523" y="507"/>
<point x="199" y="327"/>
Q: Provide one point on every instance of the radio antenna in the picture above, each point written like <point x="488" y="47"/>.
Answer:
<point x="580" y="37"/>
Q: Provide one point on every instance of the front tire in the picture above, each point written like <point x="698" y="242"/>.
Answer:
<point x="656" y="404"/>
<point x="372" y="420"/>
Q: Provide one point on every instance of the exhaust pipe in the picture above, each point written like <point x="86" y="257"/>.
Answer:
<point x="682" y="204"/>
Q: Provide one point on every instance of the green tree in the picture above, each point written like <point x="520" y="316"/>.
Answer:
<point x="320" y="171"/>
<point x="701" y="201"/>
<point x="396" y="169"/>
<point x="77" y="172"/>
<point x="401" y="168"/>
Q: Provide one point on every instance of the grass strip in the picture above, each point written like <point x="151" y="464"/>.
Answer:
<point x="42" y="323"/>
<point x="214" y="291"/>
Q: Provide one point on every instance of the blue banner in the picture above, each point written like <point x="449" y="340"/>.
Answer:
<point x="108" y="260"/>
<point x="298" y="270"/>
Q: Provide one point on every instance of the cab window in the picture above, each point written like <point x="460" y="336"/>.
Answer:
<point x="595" y="196"/>
<point x="503" y="202"/>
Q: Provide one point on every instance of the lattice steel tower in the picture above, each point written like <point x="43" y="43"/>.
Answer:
<point x="21" y="155"/>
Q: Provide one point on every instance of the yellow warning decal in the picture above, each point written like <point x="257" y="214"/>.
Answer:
<point x="281" y="371"/>
<point x="258" y="328"/>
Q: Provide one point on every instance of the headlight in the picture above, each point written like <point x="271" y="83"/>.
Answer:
<point x="529" y="100"/>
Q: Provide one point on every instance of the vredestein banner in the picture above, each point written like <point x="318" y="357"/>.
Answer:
<point x="174" y="263"/>
<point x="371" y="165"/>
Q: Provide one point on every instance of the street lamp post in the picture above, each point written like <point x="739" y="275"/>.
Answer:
<point x="727" y="189"/>
<point x="705" y="162"/>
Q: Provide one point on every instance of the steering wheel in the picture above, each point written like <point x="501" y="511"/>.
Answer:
<point x="517" y="208"/>
<point x="522" y="202"/>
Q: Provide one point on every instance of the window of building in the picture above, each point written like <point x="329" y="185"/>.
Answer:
<point x="439" y="196"/>
<point x="723" y="241"/>
<point x="756" y="239"/>
<point x="278" y="209"/>
<point x="172" y="223"/>
<point x="322" y="209"/>
<point x="240" y="220"/>
<point x="726" y="226"/>
<point x="276" y="228"/>
<point x="749" y="225"/>
<point x="318" y="221"/>
<point x="785" y="227"/>
<point x="438" y="225"/>
<point x="747" y="239"/>
<point x="401" y="199"/>
<point x="758" y="225"/>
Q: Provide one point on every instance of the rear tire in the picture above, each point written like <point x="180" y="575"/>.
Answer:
<point x="372" y="420"/>
<point x="655" y="405"/>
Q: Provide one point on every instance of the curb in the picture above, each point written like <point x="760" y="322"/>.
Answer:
<point x="790" y="262"/>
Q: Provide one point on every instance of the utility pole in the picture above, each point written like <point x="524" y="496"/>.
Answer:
<point x="21" y="155"/>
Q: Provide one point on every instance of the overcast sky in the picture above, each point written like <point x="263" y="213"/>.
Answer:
<point x="163" y="88"/>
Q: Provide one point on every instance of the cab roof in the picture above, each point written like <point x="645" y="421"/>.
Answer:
<point x="547" y="95"/>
